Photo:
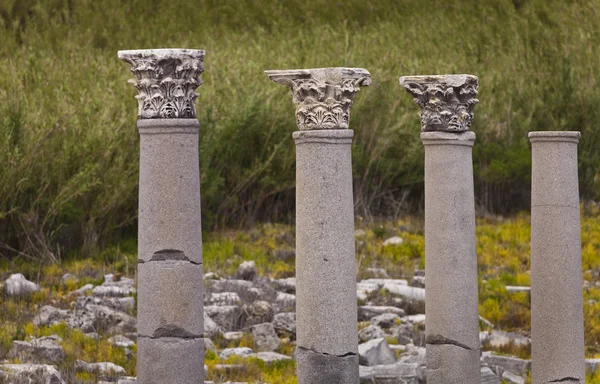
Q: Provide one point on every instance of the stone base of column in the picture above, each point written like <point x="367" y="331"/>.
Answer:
<point x="170" y="360"/>
<point x="314" y="368"/>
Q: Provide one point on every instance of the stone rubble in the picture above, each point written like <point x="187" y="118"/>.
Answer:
<point x="235" y="308"/>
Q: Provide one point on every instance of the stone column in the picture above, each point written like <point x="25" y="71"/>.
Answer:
<point x="451" y="295"/>
<point x="170" y="294"/>
<point x="556" y="281"/>
<point x="326" y="302"/>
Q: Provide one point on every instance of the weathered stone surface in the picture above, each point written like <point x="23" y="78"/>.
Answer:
<point x="507" y="363"/>
<point x="511" y="378"/>
<point x="285" y="322"/>
<point x="115" y="287"/>
<point x="166" y="80"/>
<point x="270" y="357"/>
<point x="49" y="315"/>
<point x="418" y="281"/>
<point x="375" y="352"/>
<point x="103" y="369"/>
<point x="286" y="255"/>
<point x="17" y="285"/>
<point x="170" y="190"/>
<point x="170" y="299"/>
<point x="233" y="335"/>
<point x="397" y="373"/>
<point x="318" y="368"/>
<point x="395" y="286"/>
<point x="210" y="327"/>
<point x="591" y="365"/>
<point x="499" y="339"/>
<point x="386" y="320"/>
<point x="325" y="261"/>
<point x="556" y="280"/>
<point x="285" y="302"/>
<point x="369" y="333"/>
<point x="265" y="337"/>
<point x="407" y="333"/>
<point x="259" y="312"/>
<point x="170" y="360"/>
<point x="446" y="101"/>
<point x="323" y="96"/>
<point x="42" y="350"/>
<point x="489" y="377"/>
<point x="30" y="374"/>
<point x="229" y="285"/>
<point x="241" y="351"/>
<point x="287" y="285"/>
<point x="452" y="364"/>
<point x="247" y="270"/>
<point x="210" y="346"/>
<point x="367" y="312"/>
<point x="121" y="341"/>
<point x="452" y="321"/>
<point x="82" y="291"/>
<point x="228" y="317"/>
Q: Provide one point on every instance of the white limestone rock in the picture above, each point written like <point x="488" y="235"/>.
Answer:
<point x="30" y="373"/>
<point x="210" y="327"/>
<point x="18" y="285"/>
<point x="241" y="351"/>
<point x="270" y="357"/>
<point x="247" y="271"/>
<point x="386" y="320"/>
<point x="42" y="350"/>
<point x="285" y="322"/>
<point x="396" y="240"/>
<point x="370" y="333"/>
<point x="375" y="352"/>
<point x="121" y="341"/>
<point x="104" y="369"/>
<point x="265" y="337"/>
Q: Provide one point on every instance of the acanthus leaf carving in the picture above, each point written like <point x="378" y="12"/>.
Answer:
<point x="446" y="101"/>
<point x="323" y="96"/>
<point x="166" y="81"/>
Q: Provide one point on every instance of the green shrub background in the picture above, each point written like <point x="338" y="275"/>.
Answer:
<point x="69" y="145"/>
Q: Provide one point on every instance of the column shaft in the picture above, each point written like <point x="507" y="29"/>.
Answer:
<point x="325" y="261"/>
<point x="556" y="281"/>
<point x="170" y="293"/>
<point x="451" y="297"/>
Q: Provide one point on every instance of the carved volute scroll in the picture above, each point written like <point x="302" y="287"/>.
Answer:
<point x="446" y="101"/>
<point x="166" y="80"/>
<point x="322" y="96"/>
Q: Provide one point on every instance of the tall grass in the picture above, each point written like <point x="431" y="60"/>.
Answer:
<point x="69" y="146"/>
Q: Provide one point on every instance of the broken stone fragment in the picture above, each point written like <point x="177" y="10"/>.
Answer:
<point x="375" y="352"/>
<point x="42" y="350"/>
<point x="265" y="337"/>
<point x="17" y="285"/>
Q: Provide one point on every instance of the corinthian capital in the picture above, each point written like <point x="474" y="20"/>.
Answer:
<point x="446" y="101"/>
<point x="323" y="96"/>
<point x="166" y="80"/>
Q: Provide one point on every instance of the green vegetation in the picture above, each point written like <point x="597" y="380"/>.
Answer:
<point x="503" y="257"/>
<point x="69" y="146"/>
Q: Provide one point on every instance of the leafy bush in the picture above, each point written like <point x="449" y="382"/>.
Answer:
<point x="69" y="146"/>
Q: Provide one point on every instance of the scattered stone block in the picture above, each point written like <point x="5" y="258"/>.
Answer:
<point x="375" y="352"/>
<point x="265" y="337"/>
<point x="18" y="285"/>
